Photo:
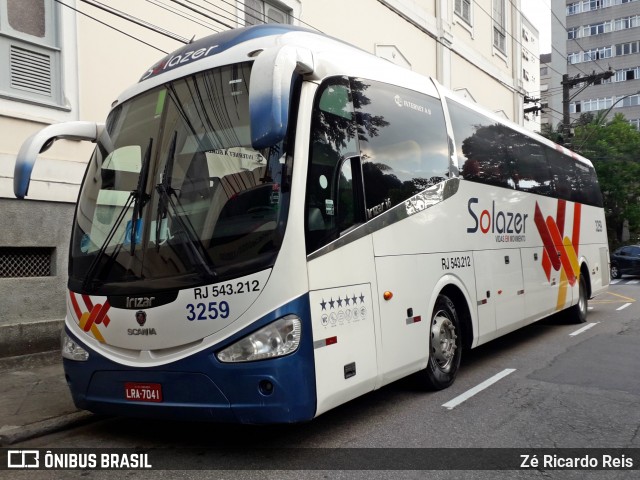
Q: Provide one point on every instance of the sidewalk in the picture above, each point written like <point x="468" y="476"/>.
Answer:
<point x="35" y="399"/>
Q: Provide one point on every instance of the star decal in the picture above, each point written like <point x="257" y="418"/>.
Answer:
<point x="323" y="304"/>
<point x="361" y="298"/>
<point x="339" y="302"/>
<point x="347" y="300"/>
<point x="332" y="302"/>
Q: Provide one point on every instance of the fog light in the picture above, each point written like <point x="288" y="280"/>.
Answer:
<point x="265" y="387"/>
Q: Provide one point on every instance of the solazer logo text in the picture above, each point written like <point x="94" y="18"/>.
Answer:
<point x="493" y="221"/>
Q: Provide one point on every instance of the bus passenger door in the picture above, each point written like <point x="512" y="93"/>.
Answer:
<point x="500" y="290"/>
<point x="341" y="272"/>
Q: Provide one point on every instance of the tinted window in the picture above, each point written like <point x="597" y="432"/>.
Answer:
<point x="479" y="142"/>
<point x="531" y="172"/>
<point x="403" y="142"/>
<point x="589" y="190"/>
<point x="492" y="153"/>
<point x="564" y="175"/>
<point x="332" y="198"/>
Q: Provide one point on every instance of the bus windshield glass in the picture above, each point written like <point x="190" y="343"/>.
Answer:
<point x="174" y="195"/>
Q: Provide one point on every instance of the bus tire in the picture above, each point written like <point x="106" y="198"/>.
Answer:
<point x="578" y="313"/>
<point x="615" y="271"/>
<point x="445" y="345"/>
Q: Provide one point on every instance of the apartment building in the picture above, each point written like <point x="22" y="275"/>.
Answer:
<point x="603" y="35"/>
<point x="69" y="59"/>
<point x="553" y="65"/>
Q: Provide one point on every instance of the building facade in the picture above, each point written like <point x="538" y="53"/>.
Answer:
<point x="604" y="35"/>
<point x="69" y="60"/>
<point x="531" y="74"/>
<point x="553" y="65"/>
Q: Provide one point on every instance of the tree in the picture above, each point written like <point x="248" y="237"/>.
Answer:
<point x="599" y="140"/>
<point x="614" y="148"/>
<point x="547" y="131"/>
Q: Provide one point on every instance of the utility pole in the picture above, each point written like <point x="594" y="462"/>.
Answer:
<point x="568" y="83"/>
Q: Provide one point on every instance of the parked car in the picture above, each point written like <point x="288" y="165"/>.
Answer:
<point x="625" y="260"/>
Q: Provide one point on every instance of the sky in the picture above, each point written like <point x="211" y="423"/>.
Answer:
<point x="538" y="12"/>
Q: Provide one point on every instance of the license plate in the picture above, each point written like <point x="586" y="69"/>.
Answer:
<point x="143" y="392"/>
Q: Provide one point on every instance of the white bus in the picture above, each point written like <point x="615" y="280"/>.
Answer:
<point x="274" y="222"/>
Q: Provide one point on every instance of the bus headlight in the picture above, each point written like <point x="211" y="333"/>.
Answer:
<point x="71" y="350"/>
<point x="277" y="339"/>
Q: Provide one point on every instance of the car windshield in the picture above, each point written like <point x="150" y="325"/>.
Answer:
<point x="175" y="195"/>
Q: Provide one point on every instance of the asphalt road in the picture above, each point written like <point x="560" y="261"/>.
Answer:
<point x="549" y="385"/>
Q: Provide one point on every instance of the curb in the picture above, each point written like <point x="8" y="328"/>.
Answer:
<point x="32" y="360"/>
<point x="64" y="422"/>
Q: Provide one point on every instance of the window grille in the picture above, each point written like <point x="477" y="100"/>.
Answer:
<point x="16" y="262"/>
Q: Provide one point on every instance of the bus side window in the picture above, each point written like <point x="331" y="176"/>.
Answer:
<point x="480" y="146"/>
<point x="403" y="142"/>
<point x="564" y="175"/>
<point x="532" y="173"/>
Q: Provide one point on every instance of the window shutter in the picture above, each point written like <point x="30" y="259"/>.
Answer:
<point x="30" y="71"/>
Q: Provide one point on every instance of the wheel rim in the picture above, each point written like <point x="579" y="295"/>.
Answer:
<point x="614" y="272"/>
<point x="443" y="340"/>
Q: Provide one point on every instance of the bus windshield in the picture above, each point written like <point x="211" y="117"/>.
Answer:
<point x="174" y="195"/>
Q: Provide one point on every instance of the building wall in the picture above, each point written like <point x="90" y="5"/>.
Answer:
<point x="556" y="66"/>
<point x="530" y="48"/>
<point x="97" y="62"/>
<point x="610" y="91"/>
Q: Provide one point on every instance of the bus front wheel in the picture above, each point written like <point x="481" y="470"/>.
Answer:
<point x="445" y="345"/>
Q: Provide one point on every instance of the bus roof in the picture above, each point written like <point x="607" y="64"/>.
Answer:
<point x="215" y="44"/>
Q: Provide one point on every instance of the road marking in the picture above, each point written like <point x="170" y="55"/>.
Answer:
<point x="478" y="388"/>
<point x="633" y="282"/>
<point x="623" y="306"/>
<point x="583" y="329"/>
<point x="613" y="282"/>
<point x="602" y="299"/>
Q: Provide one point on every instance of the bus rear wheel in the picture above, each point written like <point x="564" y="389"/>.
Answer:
<point x="578" y="313"/>
<point x="445" y="345"/>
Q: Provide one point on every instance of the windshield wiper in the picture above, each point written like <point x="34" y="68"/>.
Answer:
<point x="165" y="185"/>
<point x="139" y="195"/>
<point x="103" y="248"/>
<point x="133" y="196"/>
<point x="173" y="209"/>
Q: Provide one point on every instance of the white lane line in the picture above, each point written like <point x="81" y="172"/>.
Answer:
<point x="613" y="282"/>
<point x="623" y="306"/>
<point x="633" y="282"/>
<point x="583" y="329"/>
<point x="478" y="388"/>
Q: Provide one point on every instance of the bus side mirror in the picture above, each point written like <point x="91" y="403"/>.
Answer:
<point x="271" y="82"/>
<point x="41" y="141"/>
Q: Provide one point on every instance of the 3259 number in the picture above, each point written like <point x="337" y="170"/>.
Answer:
<point x="210" y="311"/>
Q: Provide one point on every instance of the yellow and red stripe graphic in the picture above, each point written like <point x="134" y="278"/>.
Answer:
<point x="560" y="252"/>
<point x="93" y="316"/>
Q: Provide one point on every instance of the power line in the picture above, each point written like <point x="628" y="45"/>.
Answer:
<point x="110" y="26"/>
<point x="136" y="20"/>
<point x="204" y="14"/>
<point x="185" y="15"/>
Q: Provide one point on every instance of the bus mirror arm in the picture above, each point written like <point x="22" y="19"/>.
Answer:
<point x="271" y="82"/>
<point x="41" y="141"/>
